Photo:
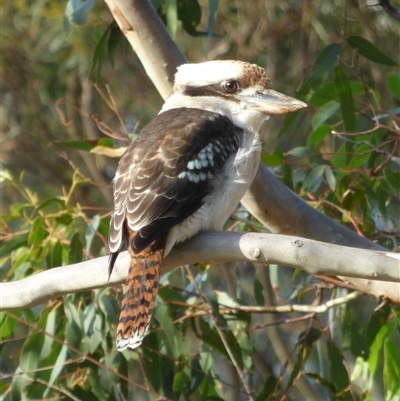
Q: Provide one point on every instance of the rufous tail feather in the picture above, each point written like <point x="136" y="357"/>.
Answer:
<point x="140" y="294"/>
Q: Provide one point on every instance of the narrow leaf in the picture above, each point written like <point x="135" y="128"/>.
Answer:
<point x="326" y="111"/>
<point x="318" y="135"/>
<point x="113" y="41"/>
<point x="38" y="233"/>
<point x="98" y="54"/>
<point x="325" y="61"/>
<point x="55" y="258"/>
<point x="75" y="249"/>
<point x="369" y="51"/>
<point x="314" y="179"/>
<point x="346" y="99"/>
<point x="376" y="321"/>
<point x="330" y="178"/>
<point x="338" y="372"/>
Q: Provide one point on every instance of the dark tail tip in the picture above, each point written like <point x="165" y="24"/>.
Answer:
<point x="111" y="262"/>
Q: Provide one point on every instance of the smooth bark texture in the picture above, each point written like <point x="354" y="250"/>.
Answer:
<point x="311" y="256"/>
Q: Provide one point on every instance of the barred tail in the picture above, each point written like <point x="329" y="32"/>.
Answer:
<point x="140" y="295"/>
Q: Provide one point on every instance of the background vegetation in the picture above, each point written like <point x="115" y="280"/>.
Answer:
<point x="69" y="79"/>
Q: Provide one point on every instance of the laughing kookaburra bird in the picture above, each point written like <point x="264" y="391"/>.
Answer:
<point x="186" y="172"/>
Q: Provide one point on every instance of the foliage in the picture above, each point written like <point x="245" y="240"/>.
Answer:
<point x="341" y="156"/>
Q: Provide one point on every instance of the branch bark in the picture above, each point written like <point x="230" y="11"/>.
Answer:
<point x="311" y="256"/>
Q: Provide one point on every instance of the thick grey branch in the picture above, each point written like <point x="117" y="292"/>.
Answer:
<point x="312" y="256"/>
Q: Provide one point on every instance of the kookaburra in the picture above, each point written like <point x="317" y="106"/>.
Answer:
<point x="186" y="172"/>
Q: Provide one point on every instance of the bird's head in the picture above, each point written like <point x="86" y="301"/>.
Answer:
<point x="238" y="90"/>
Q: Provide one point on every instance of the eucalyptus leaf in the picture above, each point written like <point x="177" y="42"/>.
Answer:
<point x="369" y="51"/>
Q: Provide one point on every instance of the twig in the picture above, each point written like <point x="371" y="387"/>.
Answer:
<point x="223" y="339"/>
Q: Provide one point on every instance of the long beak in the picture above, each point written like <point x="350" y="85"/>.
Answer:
<point x="272" y="102"/>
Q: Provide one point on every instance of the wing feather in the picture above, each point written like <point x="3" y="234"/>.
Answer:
<point x="164" y="175"/>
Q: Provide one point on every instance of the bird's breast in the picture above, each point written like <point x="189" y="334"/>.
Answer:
<point x="228" y="189"/>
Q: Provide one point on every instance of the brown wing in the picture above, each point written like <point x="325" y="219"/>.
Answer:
<point x="164" y="175"/>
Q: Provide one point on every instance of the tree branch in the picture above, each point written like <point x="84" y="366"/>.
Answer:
<point x="311" y="256"/>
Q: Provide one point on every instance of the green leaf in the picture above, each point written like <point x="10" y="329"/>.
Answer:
<point x="346" y="99"/>
<point x="330" y="178"/>
<point x="54" y="258"/>
<point x="163" y="316"/>
<point x="299" y="151"/>
<point x="73" y="328"/>
<point x="377" y="345"/>
<point x="376" y="321"/>
<point x="109" y="307"/>
<point x="326" y="111"/>
<point x="393" y="178"/>
<point x="151" y="360"/>
<point x="7" y="326"/>
<point x="17" y="242"/>
<point x="52" y="201"/>
<point x="98" y="54"/>
<point x="49" y="317"/>
<point x="276" y="158"/>
<point x="322" y="381"/>
<point x="309" y="337"/>
<point x="340" y="157"/>
<point x="338" y="372"/>
<point x="391" y="371"/>
<point x="318" y="135"/>
<point x="75" y="250"/>
<point x="196" y="373"/>
<point x="114" y="38"/>
<point x="38" y="233"/>
<point x="327" y="92"/>
<point x="313" y="180"/>
<point x="29" y="359"/>
<point x="17" y="385"/>
<point x="351" y="337"/>
<point x="369" y="51"/>
<point x="394" y="85"/>
<point x="325" y="61"/>
<point x="360" y="156"/>
<point x="301" y="358"/>
<point x="267" y="389"/>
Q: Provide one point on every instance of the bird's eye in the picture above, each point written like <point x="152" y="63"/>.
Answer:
<point x="230" y="86"/>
